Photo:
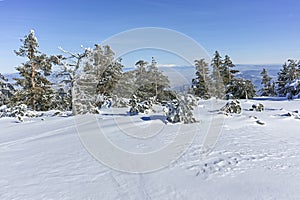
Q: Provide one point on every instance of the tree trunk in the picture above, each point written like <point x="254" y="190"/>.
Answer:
<point x="73" y="98"/>
<point x="33" y="84"/>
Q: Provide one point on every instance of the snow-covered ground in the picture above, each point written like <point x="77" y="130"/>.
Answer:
<point x="44" y="158"/>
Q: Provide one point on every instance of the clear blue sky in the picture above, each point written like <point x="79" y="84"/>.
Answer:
<point x="252" y="32"/>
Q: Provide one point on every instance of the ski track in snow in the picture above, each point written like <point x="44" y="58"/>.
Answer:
<point x="46" y="160"/>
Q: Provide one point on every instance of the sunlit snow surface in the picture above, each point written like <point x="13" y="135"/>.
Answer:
<point x="45" y="159"/>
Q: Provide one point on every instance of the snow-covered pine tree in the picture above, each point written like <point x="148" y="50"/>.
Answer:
<point x="287" y="75"/>
<point x="242" y="89"/>
<point x="200" y="84"/>
<point x="282" y="80"/>
<point x="180" y="109"/>
<point x="228" y="72"/>
<point x="157" y="81"/>
<point x="225" y="82"/>
<point x="133" y="102"/>
<point x="125" y="87"/>
<point x="6" y="90"/>
<point x="98" y="65"/>
<point x="140" y="80"/>
<point x="36" y="91"/>
<point x="137" y="106"/>
<point x="70" y="71"/>
<point x="268" y="86"/>
<point x="85" y="87"/>
<point x="153" y="78"/>
<point x="149" y="81"/>
<point x="62" y="99"/>
<point x="217" y="86"/>
<point x="109" y="70"/>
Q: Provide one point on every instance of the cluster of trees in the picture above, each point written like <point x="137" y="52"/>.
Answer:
<point x="222" y="81"/>
<point x="287" y="83"/>
<point x="88" y="79"/>
<point x="145" y="82"/>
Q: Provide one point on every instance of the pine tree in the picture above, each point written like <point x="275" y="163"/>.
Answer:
<point x="228" y="72"/>
<point x="6" y="90"/>
<point x="140" y="78"/>
<point x="125" y="87"/>
<point x="180" y="109"/>
<point x="153" y="77"/>
<point x="293" y="72"/>
<point x="62" y="99"/>
<point x="287" y="74"/>
<point x="85" y="95"/>
<point x="70" y="73"/>
<point x="157" y="81"/>
<point x="200" y="84"/>
<point x="217" y="87"/>
<point x="268" y="87"/>
<point x="242" y="89"/>
<point x="149" y="81"/>
<point x="99" y="66"/>
<point x="137" y="106"/>
<point x="109" y="70"/>
<point x="36" y="91"/>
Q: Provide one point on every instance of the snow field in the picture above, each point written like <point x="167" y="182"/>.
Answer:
<point x="45" y="159"/>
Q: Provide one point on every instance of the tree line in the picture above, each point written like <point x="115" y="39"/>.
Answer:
<point x="89" y="78"/>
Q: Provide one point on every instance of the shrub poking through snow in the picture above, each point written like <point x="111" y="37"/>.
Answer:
<point x="18" y="112"/>
<point x="172" y="111"/>
<point x="180" y="110"/>
<point x="103" y="101"/>
<point x="139" y="107"/>
<point x="232" y="107"/>
<point x="119" y="102"/>
<point x="257" y="107"/>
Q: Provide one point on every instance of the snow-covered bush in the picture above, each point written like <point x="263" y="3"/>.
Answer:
<point x="180" y="110"/>
<point x="172" y="111"/>
<point x="232" y="107"/>
<point x="257" y="107"/>
<point x="3" y="109"/>
<point x="240" y="89"/>
<point x="139" y="107"/>
<point x="86" y="108"/>
<point x="18" y="112"/>
<point x="119" y="102"/>
<point x="103" y="101"/>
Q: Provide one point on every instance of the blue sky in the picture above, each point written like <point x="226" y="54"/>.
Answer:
<point x="251" y="32"/>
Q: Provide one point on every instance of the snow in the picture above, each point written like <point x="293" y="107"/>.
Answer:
<point x="45" y="159"/>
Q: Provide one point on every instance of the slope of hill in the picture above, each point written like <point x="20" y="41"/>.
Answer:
<point x="45" y="159"/>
